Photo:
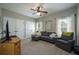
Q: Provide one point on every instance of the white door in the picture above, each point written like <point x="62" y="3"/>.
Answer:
<point x="30" y="28"/>
<point x="20" y="28"/>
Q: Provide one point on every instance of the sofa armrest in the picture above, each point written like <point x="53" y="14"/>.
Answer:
<point x="71" y="42"/>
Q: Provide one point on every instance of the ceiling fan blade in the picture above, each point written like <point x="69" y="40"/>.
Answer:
<point x="39" y="9"/>
<point x="39" y="4"/>
<point x="33" y="9"/>
<point x="44" y="11"/>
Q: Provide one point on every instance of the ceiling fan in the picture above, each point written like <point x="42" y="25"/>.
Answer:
<point x="39" y="10"/>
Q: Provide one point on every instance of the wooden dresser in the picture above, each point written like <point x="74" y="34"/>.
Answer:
<point x="12" y="47"/>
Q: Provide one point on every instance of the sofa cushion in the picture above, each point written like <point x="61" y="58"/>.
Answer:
<point x="45" y="33"/>
<point x="62" y="41"/>
<point x="45" y="37"/>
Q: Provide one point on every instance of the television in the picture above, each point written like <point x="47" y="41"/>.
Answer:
<point x="7" y="37"/>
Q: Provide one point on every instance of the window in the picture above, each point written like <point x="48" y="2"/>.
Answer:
<point x="65" y="25"/>
<point x="39" y="26"/>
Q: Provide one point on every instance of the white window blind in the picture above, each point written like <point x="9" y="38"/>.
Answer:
<point x="65" y="25"/>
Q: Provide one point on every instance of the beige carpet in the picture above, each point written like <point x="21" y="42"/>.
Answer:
<point x="41" y="48"/>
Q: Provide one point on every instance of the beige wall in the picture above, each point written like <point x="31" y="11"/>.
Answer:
<point x="49" y="25"/>
<point x="54" y="17"/>
<point x="12" y="14"/>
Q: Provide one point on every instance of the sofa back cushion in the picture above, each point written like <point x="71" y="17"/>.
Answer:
<point x="44" y="33"/>
<point x="38" y="33"/>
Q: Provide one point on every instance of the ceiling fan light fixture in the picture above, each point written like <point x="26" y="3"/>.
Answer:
<point x="38" y="13"/>
<point x="39" y="10"/>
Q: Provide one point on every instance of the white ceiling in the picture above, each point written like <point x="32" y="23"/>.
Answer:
<point x="24" y="8"/>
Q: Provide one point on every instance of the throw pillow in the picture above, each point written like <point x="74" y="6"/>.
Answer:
<point x="38" y="33"/>
<point x="53" y="35"/>
<point x="67" y="33"/>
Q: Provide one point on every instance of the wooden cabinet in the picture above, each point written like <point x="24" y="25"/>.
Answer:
<point x="12" y="47"/>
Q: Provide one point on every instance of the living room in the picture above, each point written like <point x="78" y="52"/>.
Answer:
<point x="40" y="34"/>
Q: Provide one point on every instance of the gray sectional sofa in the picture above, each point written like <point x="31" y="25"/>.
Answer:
<point x="45" y="36"/>
<point x="64" y="42"/>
